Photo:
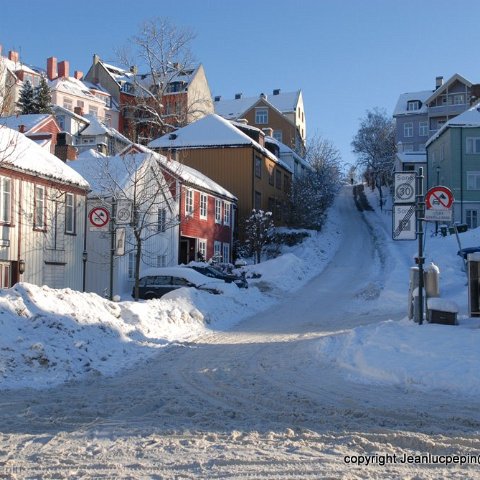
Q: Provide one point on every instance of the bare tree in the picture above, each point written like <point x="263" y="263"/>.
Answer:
<point x="161" y="63"/>
<point x="374" y="145"/>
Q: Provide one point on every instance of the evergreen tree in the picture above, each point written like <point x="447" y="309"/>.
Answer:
<point x="43" y="97"/>
<point x="26" y="101"/>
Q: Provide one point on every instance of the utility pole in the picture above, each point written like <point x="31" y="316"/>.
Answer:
<point x="112" y="244"/>
<point x="420" y="260"/>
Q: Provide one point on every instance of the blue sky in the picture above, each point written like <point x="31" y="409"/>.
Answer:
<point x="347" y="56"/>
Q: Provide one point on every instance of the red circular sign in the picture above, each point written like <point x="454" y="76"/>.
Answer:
<point x="439" y="198"/>
<point x="99" y="217"/>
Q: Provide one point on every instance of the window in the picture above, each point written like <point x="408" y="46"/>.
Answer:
<point x="286" y="183"/>
<point x="161" y="261"/>
<point x="473" y="180"/>
<point x="80" y="103"/>
<point x="271" y="176"/>
<point x="162" y="220"/>
<point x="39" y="207"/>
<point x="457" y="99"/>
<point x="258" y="167"/>
<point x="93" y="111"/>
<point x="5" y="275"/>
<point x="131" y="265"/>
<point x="226" y="252"/>
<point x="203" y="205"/>
<point x="278" y="135"/>
<point x="278" y="179"/>
<point x="61" y="121"/>
<point x="473" y="145"/>
<point x="217" y="250"/>
<point x="226" y="213"/>
<point x="413" y="105"/>
<point x="472" y="218"/>
<point x="189" y="202"/>
<point x="69" y="213"/>
<point x="218" y="211"/>
<point x="423" y="129"/>
<point x="408" y="147"/>
<point x="5" y="199"/>
<point x="258" y="201"/>
<point x="408" y="129"/>
<point x="261" y="116"/>
<point x="202" y="249"/>
<point x="271" y="205"/>
<point x="68" y="104"/>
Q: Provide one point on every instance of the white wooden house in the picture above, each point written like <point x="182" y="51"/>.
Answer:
<point x="132" y="189"/>
<point x="42" y="215"/>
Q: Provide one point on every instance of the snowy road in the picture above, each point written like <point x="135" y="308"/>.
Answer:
<point x="254" y="402"/>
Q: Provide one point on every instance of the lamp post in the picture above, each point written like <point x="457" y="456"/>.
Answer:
<point x="438" y="183"/>
<point x="84" y="260"/>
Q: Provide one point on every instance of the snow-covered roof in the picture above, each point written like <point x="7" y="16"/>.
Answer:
<point x="184" y="172"/>
<point x="404" y="98"/>
<point x="64" y="111"/>
<point x="235" y="108"/>
<point x="29" y="121"/>
<point x="468" y="119"/>
<point x="19" y="152"/>
<point x="286" y="150"/>
<point x="73" y="86"/>
<point x="207" y="132"/>
<point x="447" y="84"/>
<point x="412" y="157"/>
<point x="96" y="127"/>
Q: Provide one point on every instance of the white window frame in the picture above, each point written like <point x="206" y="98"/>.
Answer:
<point x="39" y="208"/>
<point x="261" y="115"/>
<point x="473" y="180"/>
<point x="203" y="205"/>
<point x="471" y="218"/>
<point x="226" y="213"/>
<point x="189" y="202"/>
<point x="161" y="261"/>
<point x="131" y="265"/>
<point x="472" y="146"/>
<point x="218" y="211"/>
<point x="217" y="250"/>
<point x="70" y="219"/>
<point x="202" y="247"/>
<point x="423" y="129"/>
<point x="408" y="129"/>
<point x="5" y="199"/>
<point x="226" y="252"/>
<point x="413" y="105"/>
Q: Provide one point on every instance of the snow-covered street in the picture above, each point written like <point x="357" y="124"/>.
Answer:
<point x="262" y="399"/>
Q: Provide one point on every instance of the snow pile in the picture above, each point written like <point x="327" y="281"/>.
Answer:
<point x="427" y="357"/>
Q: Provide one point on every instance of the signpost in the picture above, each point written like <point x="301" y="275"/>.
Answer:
<point x="404" y="209"/>
<point x="404" y="187"/>
<point x="98" y="218"/>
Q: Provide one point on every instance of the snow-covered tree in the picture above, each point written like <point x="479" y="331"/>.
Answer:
<point x="314" y="192"/>
<point x="374" y="145"/>
<point x="162" y="58"/>
<point x="43" y="97"/>
<point x="259" y="231"/>
<point x="26" y="101"/>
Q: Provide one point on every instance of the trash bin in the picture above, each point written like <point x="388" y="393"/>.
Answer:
<point x="432" y="281"/>
<point x="473" y="271"/>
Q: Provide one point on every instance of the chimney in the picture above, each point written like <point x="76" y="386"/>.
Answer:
<point x="13" y="56"/>
<point x="21" y="128"/>
<point x="217" y="98"/>
<point x="238" y="96"/>
<point x="78" y="111"/>
<point x="262" y="95"/>
<point x="243" y="121"/>
<point x="52" y="68"/>
<point x="268" y="131"/>
<point x="276" y="91"/>
<point x="78" y="74"/>
<point x="438" y="82"/>
<point x="63" y="69"/>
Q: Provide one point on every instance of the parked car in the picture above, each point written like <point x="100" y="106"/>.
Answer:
<point x="156" y="282"/>
<point x="213" y="272"/>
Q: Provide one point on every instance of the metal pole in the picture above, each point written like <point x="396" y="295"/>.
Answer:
<point x="112" y="244"/>
<point x="420" y="258"/>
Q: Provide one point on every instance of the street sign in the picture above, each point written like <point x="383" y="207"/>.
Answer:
<point x="438" y="204"/>
<point x="120" y="241"/>
<point x="404" y="187"/>
<point x="99" y="218"/>
<point x="404" y="222"/>
<point x="124" y="212"/>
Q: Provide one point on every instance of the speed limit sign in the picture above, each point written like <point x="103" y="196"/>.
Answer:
<point x="404" y="187"/>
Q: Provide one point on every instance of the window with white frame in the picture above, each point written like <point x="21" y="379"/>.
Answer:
<point x="189" y="202"/>
<point x="161" y="261"/>
<point x="202" y="249"/>
<point x="68" y="104"/>
<point x="473" y="145"/>
<point x="423" y="129"/>
<point x="162" y="220"/>
<point x="218" y="210"/>
<point x="261" y="116"/>
<point x="471" y="217"/>
<point x="217" y="250"/>
<point x="131" y="265"/>
<point x="93" y="110"/>
<point x="278" y="135"/>
<point x="413" y="105"/>
<point x="226" y="252"/>
<point x="408" y="129"/>
<point x="39" y="207"/>
<point x="203" y="205"/>
<point x="473" y="180"/>
<point x="226" y="213"/>
<point x="5" y="199"/>
<point x="69" y="213"/>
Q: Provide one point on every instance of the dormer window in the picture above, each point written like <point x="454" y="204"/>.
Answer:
<point x="413" y="105"/>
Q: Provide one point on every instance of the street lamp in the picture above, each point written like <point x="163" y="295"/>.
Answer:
<point x="21" y="266"/>
<point x="84" y="259"/>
